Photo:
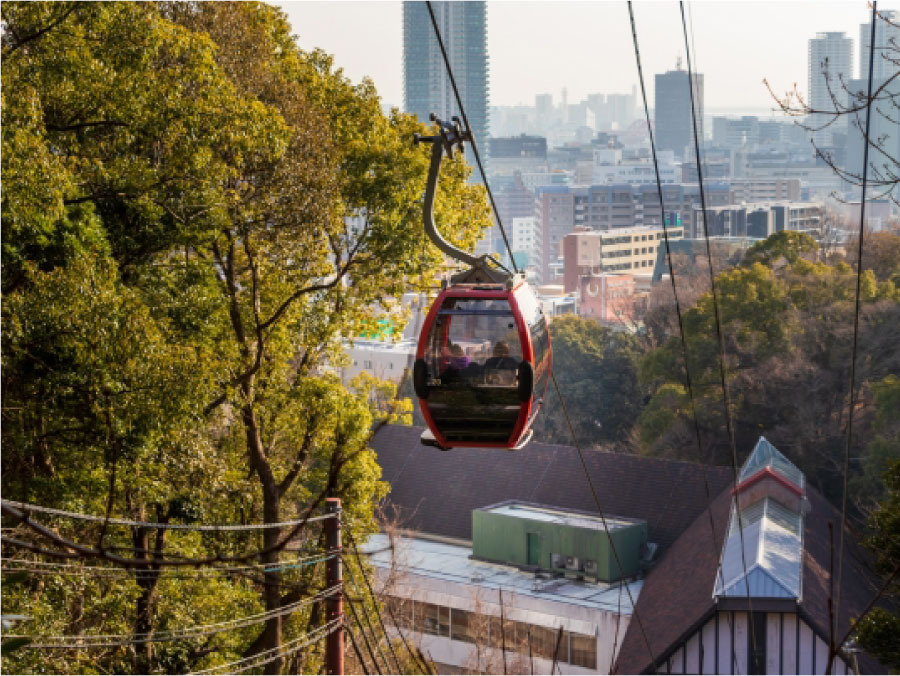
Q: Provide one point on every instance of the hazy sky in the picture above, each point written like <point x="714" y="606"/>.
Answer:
<point x="541" y="47"/>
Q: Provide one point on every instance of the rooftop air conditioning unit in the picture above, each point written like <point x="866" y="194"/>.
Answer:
<point x="572" y="563"/>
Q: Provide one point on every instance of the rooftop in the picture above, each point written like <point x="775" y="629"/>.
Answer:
<point x="559" y="516"/>
<point x="766" y="456"/>
<point x="772" y="552"/>
<point x="452" y="563"/>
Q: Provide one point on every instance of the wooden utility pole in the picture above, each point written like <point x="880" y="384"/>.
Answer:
<point x="334" y="647"/>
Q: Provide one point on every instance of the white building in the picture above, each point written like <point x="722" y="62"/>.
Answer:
<point x="526" y="239"/>
<point x="830" y="62"/>
<point x="451" y="604"/>
<point x="609" y="168"/>
<point x="887" y="45"/>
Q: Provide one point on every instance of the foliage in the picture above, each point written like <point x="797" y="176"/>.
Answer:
<point x="196" y="214"/>
<point x="879" y="632"/>
<point x="787" y="333"/>
<point x="596" y="368"/>
<point x="785" y="244"/>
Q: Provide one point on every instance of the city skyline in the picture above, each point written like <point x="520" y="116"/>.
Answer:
<point x="566" y="50"/>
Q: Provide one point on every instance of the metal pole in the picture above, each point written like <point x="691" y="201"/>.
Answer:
<point x="334" y="648"/>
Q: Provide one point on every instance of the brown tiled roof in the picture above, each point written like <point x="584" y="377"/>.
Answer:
<point x="435" y="491"/>
<point x="677" y="592"/>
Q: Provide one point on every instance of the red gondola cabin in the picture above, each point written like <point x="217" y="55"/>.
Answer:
<point x="482" y="365"/>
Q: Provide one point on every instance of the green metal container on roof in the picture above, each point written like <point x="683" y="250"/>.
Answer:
<point x="572" y="543"/>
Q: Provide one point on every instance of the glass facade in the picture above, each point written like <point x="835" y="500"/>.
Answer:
<point x="470" y="627"/>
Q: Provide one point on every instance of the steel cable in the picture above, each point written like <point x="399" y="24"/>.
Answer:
<point x="462" y="111"/>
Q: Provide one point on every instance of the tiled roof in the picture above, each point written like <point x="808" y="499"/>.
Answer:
<point x="676" y="592"/>
<point x="435" y="491"/>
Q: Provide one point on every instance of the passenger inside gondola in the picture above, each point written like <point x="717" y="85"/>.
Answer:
<point x="473" y="356"/>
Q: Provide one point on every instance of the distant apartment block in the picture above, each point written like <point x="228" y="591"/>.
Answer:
<point x="427" y="87"/>
<point x="588" y="253"/>
<point x="884" y="131"/>
<point x="887" y="45"/>
<point x="830" y="63"/>
<point x="610" y="167"/>
<point x="757" y="220"/>
<point x="518" y="153"/>
<point x="672" y="110"/>
<point x="526" y="242"/>
<point x="763" y="189"/>
<point x="559" y="210"/>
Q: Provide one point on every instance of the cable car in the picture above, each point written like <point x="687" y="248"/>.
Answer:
<point x="483" y="358"/>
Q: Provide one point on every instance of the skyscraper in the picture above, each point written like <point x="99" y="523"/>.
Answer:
<point x="882" y="67"/>
<point x="830" y="63"/>
<point x="427" y="87"/>
<point x="672" y="110"/>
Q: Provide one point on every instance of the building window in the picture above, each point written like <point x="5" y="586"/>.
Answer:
<point x="435" y="619"/>
<point x="584" y="651"/>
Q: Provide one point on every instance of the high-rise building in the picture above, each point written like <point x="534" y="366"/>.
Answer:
<point x="427" y="87"/>
<point x="672" y="110"/>
<point x="830" y="64"/>
<point x="887" y="28"/>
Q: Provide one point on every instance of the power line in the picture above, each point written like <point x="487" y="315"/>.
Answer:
<point x="862" y="220"/>
<point x="273" y="654"/>
<point x="396" y="623"/>
<point x="603" y="518"/>
<point x="73" y="550"/>
<point x="377" y="612"/>
<point x="356" y="649"/>
<point x="726" y="403"/>
<point x="82" y="641"/>
<point x="462" y="111"/>
<point x="27" y="507"/>
<point x="55" y="568"/>
<point x="365" y="637"/>
<point x="684" y="349"/>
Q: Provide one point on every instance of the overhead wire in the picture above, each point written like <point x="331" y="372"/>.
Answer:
<point x="856" y="310"/>
<point x="726" y="403"/>
<point x="55" y="568"/>
<point x="362" y="631"/>
<point x="356" y="649"/>
<point x="394" y="621"/>
<point x="28" y="507"/>
<point x="612" y="545"/>
<point x="85" y="641"/>
<point x="374" y="600"/>
<point x="462" y="111"/>
<point x="272" y="654"/>
<point x="684" y="349"/>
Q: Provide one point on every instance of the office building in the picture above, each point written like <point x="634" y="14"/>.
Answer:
<point x="672" y="111"/>
<point x="589" y="252"/>
<point x="830" y="62"/>
<point x="883" y="130"/>
<point x="427" y="87"/>
<point x="887" y="45"/>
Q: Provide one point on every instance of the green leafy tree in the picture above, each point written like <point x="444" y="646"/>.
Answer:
<point x="789" y="245"/>
<point x="596" y="369"/>
<point x="788" y="333"/>
<point x="199" y="213"/>
<point x="879" y="631"/>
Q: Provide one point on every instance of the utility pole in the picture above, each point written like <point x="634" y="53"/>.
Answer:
<point x="334" y="647"/>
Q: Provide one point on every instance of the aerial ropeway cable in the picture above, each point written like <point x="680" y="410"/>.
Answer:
<point x="483" y="359"/>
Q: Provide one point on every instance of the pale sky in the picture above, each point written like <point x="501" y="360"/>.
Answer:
<point x="540" y="47"/>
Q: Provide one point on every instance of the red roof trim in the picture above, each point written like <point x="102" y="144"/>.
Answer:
<point x="762" y="474"/>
